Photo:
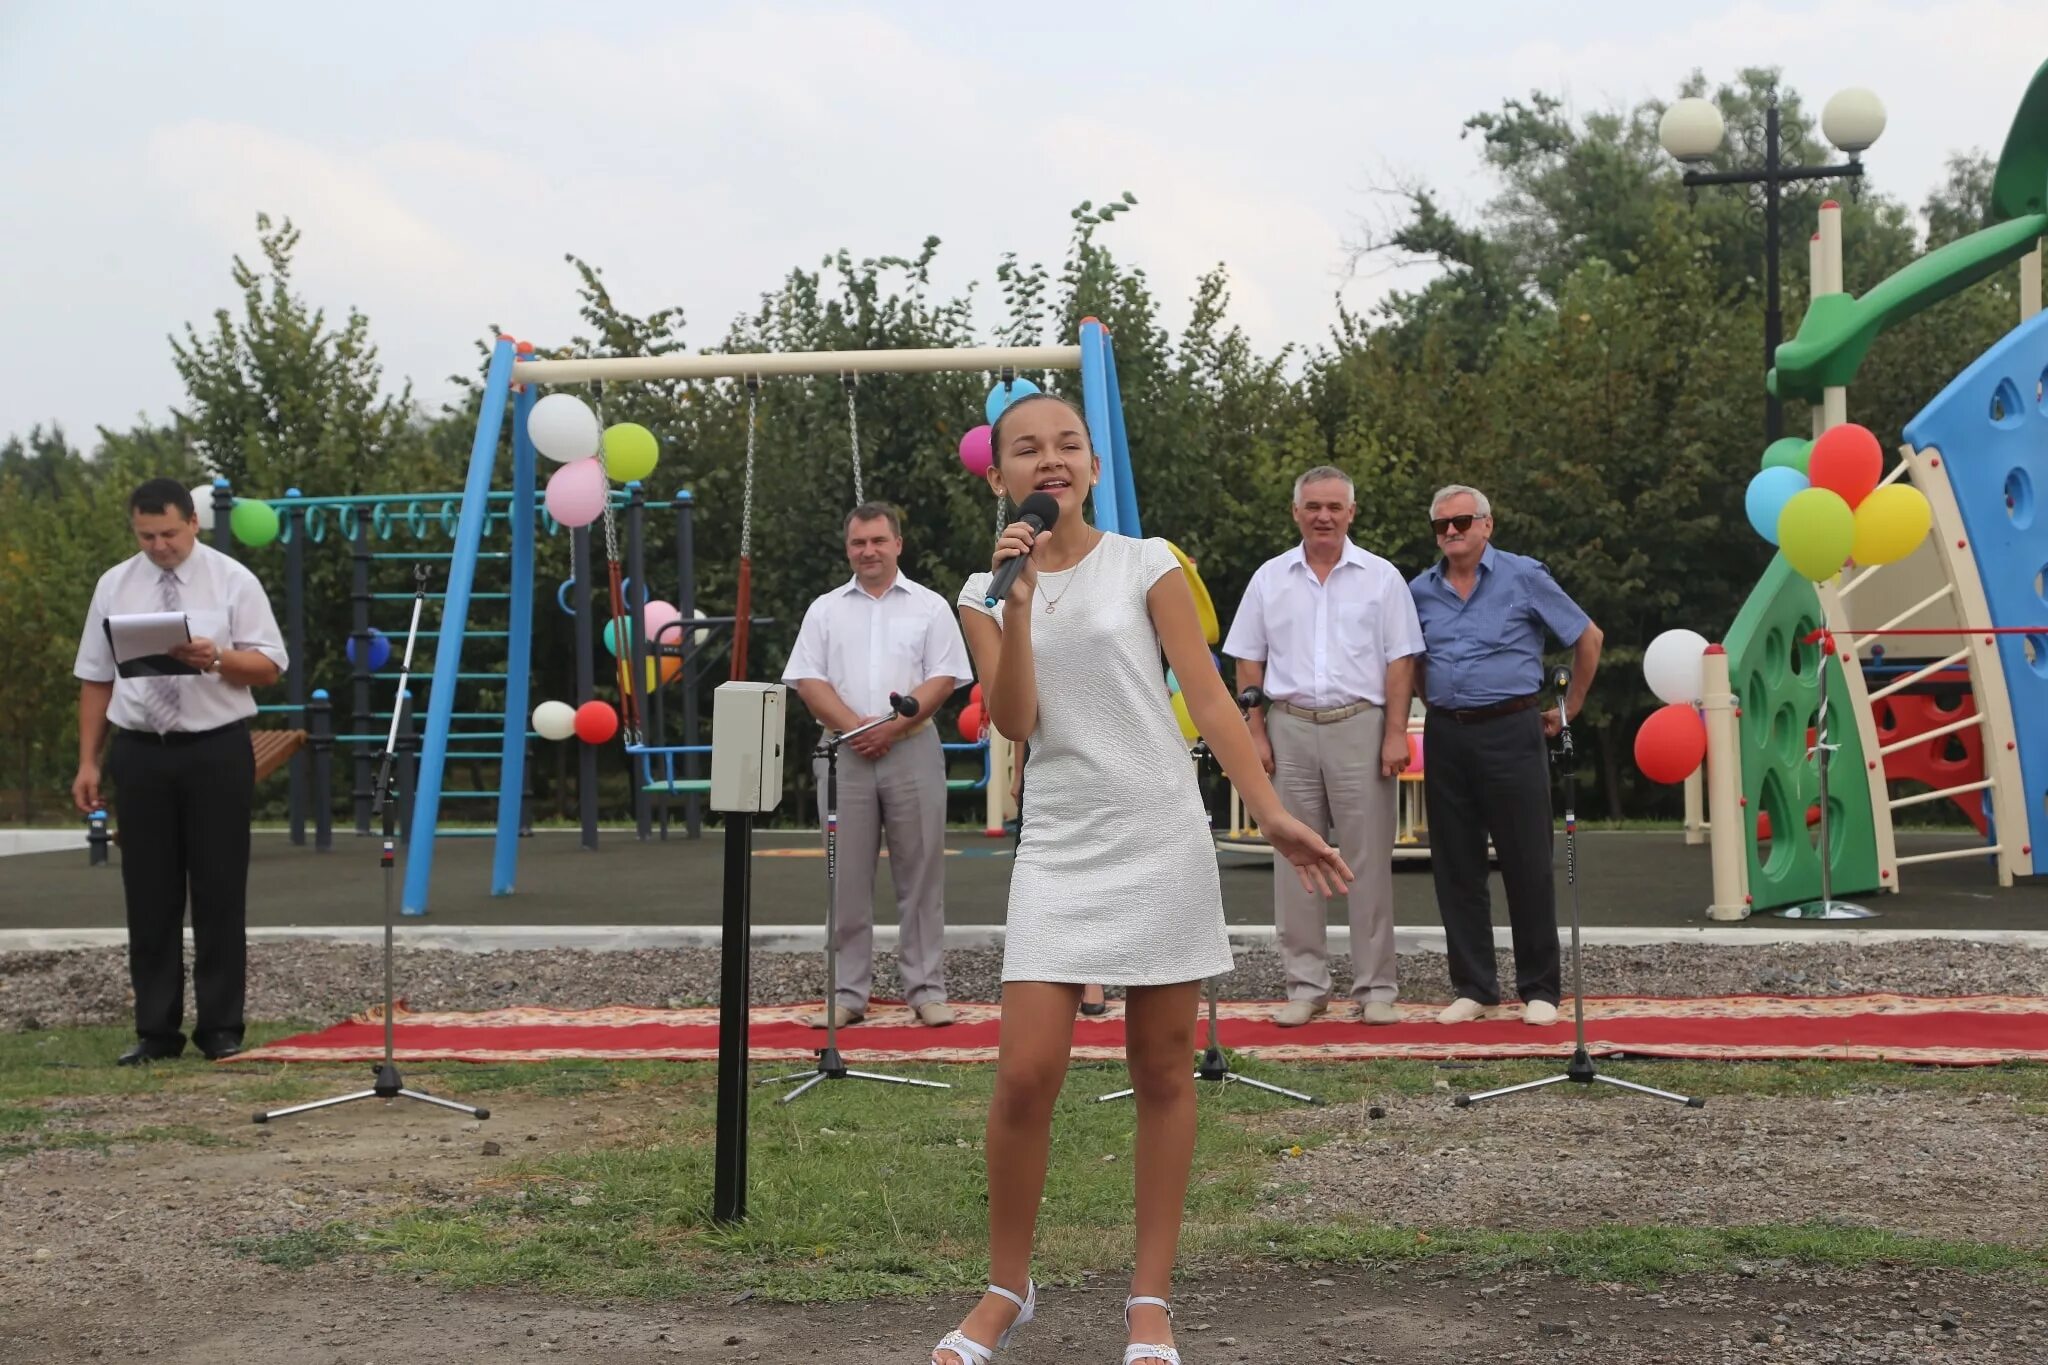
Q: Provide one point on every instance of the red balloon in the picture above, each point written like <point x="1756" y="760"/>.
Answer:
<point x="1671" y="743"/>
<point x="596" y="722"/>
<point x="974" y="695"/>
<point x="971" y="721"/>
<point x="1847" y="460"/>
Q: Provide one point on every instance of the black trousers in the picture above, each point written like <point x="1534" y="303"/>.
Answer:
<point x="1492" y="777"/>
<point x="183" y="804"/>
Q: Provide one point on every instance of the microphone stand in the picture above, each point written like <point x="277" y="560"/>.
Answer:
<point x="1213" y="1065"/>
<point x="389" y="1085"/>
<point x="831" y="1066"/>
<point x="1580" y="1070"/>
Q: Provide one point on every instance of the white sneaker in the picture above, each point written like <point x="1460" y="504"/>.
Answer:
<point x="1295" y="1013"/>
<point x="1378" y="1012"/>
<point x="935" y="1014"/>
<point x="843" y="1018"/>
<point x="1540" y="1013"/>
<point x="1463" y="1010"/>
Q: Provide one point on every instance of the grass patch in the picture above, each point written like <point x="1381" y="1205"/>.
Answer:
<point x="298" y="1250"/>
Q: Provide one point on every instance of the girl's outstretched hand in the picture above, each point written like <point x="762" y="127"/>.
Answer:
<point x="1321" y="868"/>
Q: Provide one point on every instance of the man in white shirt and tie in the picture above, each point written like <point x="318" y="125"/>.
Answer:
<point x="183" y="770"/>
<point x="881" y="633"/>
<point x="1329" y="632"/>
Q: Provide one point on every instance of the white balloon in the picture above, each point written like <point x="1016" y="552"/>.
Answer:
<point x="698" y="637"/>
<point x="1673" y="668"/>
<point x="554" y="720"/>
<point x="563" y="428"/>
<point x="202" y="506"/>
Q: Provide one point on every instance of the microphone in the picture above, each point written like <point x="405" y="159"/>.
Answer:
<point x="905" y="707"/>
<point x="1039" y="511"/>
<point x="1561" y="678"/>
<point x="1251" y="698"/>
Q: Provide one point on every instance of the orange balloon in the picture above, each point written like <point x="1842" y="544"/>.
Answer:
<point x="1847" y="461"/>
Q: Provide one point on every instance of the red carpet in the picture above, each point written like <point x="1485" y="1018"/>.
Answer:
<point x="1962" y="1031"/>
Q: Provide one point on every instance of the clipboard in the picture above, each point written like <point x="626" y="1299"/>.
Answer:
<point x="141" y="644"/>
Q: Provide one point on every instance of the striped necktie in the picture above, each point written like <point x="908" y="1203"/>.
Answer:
<point x="160" y="695"/>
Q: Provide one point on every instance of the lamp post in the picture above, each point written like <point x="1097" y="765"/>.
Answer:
<point x="1692" y="130"/>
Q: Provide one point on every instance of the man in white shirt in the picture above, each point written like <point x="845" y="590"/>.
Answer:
<point x="881" y="633"/>
<point x="183" y="769"/>
<point x="1328" y="631"/>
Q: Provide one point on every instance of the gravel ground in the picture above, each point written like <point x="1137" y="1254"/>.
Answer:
<point x="318" y="981"/>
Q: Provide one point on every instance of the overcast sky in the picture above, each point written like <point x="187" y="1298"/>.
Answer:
<point x="440" y="157"/>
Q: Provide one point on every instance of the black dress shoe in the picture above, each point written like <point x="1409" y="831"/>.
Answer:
<point x="146" y="1050"/>
<point x="218" y="1046"/>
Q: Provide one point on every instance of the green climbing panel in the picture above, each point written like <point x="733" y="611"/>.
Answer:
<point x="1774" y="680"/>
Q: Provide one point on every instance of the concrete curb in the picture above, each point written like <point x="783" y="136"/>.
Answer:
<point x="806" y="938"/>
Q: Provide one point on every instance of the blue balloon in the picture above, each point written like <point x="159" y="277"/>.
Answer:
<point x="1768" y="493"/>
<point x="379" y="651"/>
<point x="1001" y="397"/>
<point x="1172" y="683"/>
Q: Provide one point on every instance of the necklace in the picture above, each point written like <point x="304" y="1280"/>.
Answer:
<point x="1052" y="603"/>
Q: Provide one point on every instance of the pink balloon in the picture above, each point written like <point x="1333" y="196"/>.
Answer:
<point x="975" y="451"/>
<point x="654" y="616"/>
<point x="576" y="493"/>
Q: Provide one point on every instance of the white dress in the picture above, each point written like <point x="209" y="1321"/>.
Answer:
<point x="1115" y="879"/>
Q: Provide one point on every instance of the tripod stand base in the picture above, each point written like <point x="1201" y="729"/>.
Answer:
<point x="1825" y="909"/>
<point x="1214" y="1067"/>
<point x="832" y="1067"/>
<point x="388" y="1086"/>
<point x="1579" y="1071"/>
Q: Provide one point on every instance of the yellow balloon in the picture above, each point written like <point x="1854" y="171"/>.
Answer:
<point x="1891" y="523"/>
<point x="1205" y="608"/>
<point x="1188" y="731"/>
<point x="630" y="451"/>
<point x="659" y="672"/>
<point x="1816" y="531"/>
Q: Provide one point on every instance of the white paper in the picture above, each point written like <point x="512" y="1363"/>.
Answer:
<point x="146" y="634"/>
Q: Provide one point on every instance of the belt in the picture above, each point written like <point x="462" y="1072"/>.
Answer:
<point x="1329" y="715"/>
<point x="1493" y="712"/>
<point x="175" y="738"/>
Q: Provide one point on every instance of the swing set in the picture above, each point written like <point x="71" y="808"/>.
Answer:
<point x="516" y="376"/>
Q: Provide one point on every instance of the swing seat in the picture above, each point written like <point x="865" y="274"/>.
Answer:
<point x="681" y="786"/>
<point x="963" y="784"/>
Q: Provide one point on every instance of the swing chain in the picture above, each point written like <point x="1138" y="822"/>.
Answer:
<point x="753" y="383"/>
<point x="611" y="529"/>
<point x="853" y="433"/>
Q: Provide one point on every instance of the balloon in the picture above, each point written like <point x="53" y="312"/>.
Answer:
<point x="1001" y="397"/>
<point x="1846" y="460"/>
<point x="615" y="635"/>
<point x="1188" y="729"/>
<point x="1787" y="452"/>
<point x="202" y="506"/>
<point x="972" y="718"/>
<point x="1768" y="493"/>
<point x="563" y="428"/>
<point x="1671" y="666"/>
<point x="596" y="722"/>
<point x="379" y="650"/>
<point x="576" y="493"/>
<point x="698" y="637"/>
<point x="973" y="693"/>
<point x="1891" y="523"/>
<point x="630" y="451"/>
<point x="1671" y="743"/>
<point x="975" y="451"/>
<point x="654" y="616"/>
<point x="1415" y="753"/>
<point x="1172" y="682"/>
<point x="554" y="720"/>
<point x="1816" y="531"/>
<point x="667" y="672"/>
<point x="253" y="522"/>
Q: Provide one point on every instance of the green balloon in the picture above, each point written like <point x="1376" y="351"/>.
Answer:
<point x="615" y="634"/>
<point x="1791" y="452"/>
<point x="1816" y="532"/>
<point x="630" y="451"/>
<point x="254" y="522"/>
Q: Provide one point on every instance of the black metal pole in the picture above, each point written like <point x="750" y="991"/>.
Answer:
<point x="586" y="641"/>
<point x="729" y="1180"/>
<point x="360" y="720"/>
<point x="1774" y="322"/>
<point x="295" y="676"/>
<point x="320" y="721"/>
<point x="223" y="517"/>
<point x="686" y="603"/>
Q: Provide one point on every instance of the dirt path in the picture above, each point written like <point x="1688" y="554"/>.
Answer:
<point x="123" y="1252"/>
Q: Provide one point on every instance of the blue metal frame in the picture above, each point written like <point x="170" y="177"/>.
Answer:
<point x="518" y="656"/>
<point x="469" y="532"/>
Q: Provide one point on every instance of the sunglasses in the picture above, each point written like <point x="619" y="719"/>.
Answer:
<point x="1444" y="525"/>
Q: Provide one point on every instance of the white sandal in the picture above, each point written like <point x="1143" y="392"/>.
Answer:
<point x="972" y="1352"/>
<point x="1139" y="1350"/>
